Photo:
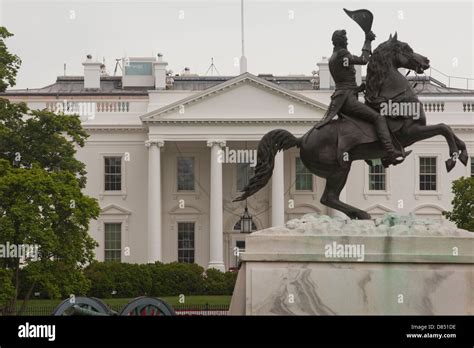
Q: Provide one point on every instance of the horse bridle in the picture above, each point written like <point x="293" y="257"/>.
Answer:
<point x="409" y="70"/>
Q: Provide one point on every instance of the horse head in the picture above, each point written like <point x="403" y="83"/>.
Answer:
<point x="403" y="56"/>
<point x="386" y="59"/>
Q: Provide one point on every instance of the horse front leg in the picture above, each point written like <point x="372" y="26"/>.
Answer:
<point x="418" y="132"/>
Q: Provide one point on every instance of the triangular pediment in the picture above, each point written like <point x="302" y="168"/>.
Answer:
<point x="186" y="210"/>
<point x="378" y="209"/>
<point x="113" y="209"/>
<point x="244" y="98"/>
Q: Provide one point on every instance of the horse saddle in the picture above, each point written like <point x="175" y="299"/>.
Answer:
<point x="352" y="131"/>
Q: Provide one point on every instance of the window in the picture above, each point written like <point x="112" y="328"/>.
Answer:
<point x="113" y="173"/>
<point x="138" y="68"/>
<point x="377" y="178"/>
<point x="427" y="173"/>
<point x="244" y="173"/>
<point x="304" y="178"/>
<point x="241" y="245"/>
<point x="186" y="242"/>
<point x="472" y="167"/>
<point x="185" y="173"/>
<point x="113" y="242"/>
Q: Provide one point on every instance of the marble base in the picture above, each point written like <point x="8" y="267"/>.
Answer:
<point x="317" y="266"/>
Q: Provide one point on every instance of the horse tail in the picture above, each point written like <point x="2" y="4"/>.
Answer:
<point x="268" y="147"/>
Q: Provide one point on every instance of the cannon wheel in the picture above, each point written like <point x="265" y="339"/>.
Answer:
<point x="90" y="303"/>
<point x="147" y="306"/>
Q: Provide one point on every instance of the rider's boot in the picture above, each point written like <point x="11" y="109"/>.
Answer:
<point x="393" y="155"/>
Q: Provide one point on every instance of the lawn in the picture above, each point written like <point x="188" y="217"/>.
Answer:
<point x="174" y="300"/>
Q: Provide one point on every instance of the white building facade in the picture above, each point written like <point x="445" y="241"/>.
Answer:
<point x="159" y="157"/>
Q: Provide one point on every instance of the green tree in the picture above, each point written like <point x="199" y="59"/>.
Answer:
<point x="462" y="213"/>
<point x="41" y="202"/>
<point x="50" y="211"/>
<point x="9" y="64"/>
<point x="7" y="290"/>
<point x="41" y="137"/>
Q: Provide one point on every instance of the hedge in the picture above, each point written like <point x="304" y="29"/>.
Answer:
<point x="158" y="279"/>
<point x="126" y="280"/>
<point x="114" y="279"/>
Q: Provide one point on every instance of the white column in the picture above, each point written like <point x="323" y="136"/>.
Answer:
<point x="216" y="251"/>
<point x="154" y="200"/>
<point x="278" y="191"/>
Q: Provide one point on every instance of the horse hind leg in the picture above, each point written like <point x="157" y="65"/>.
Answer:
<point x="334" y="185"/>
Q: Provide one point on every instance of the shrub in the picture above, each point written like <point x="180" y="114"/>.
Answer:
<point x="177" y="278"/>
<point x="7" y="290"/>
<point x="230" y="280"/>
<point x="215" y="283"/>
<point x="118" y="279"/>
<point x="52" y="279"/>
<point x="102" y="282"/>
<point x="463" y="203"/>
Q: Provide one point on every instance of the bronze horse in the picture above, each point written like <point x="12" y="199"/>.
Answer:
<point x="329" y="151"/>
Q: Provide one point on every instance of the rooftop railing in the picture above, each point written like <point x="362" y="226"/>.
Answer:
<point x="450" y="81"/>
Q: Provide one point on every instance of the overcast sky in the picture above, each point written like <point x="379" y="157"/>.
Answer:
<point x="282" y="37"/>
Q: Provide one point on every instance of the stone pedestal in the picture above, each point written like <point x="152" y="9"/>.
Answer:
<point x="319" y="265"/>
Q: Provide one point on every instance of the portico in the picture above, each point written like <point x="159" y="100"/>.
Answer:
<point x="245" y="122"/>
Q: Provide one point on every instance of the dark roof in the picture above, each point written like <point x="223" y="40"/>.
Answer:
<point x="74" y="85"/>
<point x="112" y="85"/>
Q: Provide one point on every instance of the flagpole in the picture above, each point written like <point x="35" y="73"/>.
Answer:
<point x="243" y="59"/>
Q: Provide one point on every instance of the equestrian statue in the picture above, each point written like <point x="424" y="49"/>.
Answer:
<point x="391" y="119"/>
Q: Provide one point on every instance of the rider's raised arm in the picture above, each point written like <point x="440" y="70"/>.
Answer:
<point x="366" y="51"/>
<point x="364" y="57"/>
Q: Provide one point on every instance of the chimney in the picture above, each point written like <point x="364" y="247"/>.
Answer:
<point x="92" y="71"/>
<point x="325" y="78"/>
<point x="159" y="68"/>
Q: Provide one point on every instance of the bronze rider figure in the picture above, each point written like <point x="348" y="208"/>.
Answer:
<point x="345" y="98"/>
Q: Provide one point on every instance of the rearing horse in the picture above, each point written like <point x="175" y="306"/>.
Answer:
<point x="329" y="151"/>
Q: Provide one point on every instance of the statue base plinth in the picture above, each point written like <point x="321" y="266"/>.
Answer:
<point x="322" y="266"/>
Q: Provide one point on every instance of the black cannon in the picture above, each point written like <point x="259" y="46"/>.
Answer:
<point x="91" y="306"/>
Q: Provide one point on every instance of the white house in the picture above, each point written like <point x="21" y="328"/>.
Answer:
<point x="154" y="162"/>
